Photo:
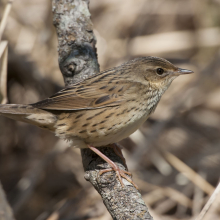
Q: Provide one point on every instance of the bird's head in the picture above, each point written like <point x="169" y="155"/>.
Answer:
<point x="157" y="72"/>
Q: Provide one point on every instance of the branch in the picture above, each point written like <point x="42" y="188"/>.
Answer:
<point x="209" y="203"/>
<point x="77" y="61"/>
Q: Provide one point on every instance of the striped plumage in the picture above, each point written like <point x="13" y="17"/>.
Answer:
<point x="104" y="108"/>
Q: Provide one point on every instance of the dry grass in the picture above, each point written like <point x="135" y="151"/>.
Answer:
<point x="44" y="179"/>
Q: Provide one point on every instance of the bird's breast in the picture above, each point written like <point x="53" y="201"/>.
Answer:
<point x="100" y="127"/>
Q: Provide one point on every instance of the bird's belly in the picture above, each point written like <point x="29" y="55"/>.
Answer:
<point x="131" y="128"/>
<point x="117" y="134"/>
<point x="100" y="131"/>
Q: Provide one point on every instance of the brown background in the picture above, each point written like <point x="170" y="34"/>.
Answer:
<point x="38" y="172"/>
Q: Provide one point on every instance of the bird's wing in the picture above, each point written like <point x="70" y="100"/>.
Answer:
<point x="98" y="91"/>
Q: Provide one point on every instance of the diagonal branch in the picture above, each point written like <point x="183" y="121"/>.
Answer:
<point x="78" y="60"/>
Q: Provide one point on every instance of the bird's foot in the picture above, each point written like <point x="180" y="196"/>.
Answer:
<point x="119" y="172"/>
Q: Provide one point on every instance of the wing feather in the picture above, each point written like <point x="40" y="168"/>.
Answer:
<point x="92" y="93"/>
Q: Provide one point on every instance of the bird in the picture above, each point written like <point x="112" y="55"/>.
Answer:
<point x="104" y="108"/>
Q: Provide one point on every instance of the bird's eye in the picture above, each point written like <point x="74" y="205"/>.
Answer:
<point x="160" y="71"/>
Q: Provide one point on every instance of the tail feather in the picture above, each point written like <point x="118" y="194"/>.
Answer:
<point x="29" y="114"/>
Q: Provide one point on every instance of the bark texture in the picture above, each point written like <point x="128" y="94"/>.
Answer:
<point x="76" y="41"/>
<point x="77" y="61"/>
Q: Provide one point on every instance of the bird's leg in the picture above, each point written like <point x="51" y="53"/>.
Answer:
<point x="117" y="149"/>
<point x="120" y="173"/>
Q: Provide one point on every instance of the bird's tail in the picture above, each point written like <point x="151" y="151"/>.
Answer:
<point x="29" y="114"/>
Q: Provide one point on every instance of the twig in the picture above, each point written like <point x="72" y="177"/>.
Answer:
<point x="198" y="198"/>
<point x="160" y="192"/>
<point x="3" y="71"/>
<point x="77" y="61"/>
<point x="175" y="41"/>
<point x="189" y="173"/>
<point x="209" y="203"/>
<point x="4" y="55"/>
<point x="4" y="17"/>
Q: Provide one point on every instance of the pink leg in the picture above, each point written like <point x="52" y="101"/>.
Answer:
<point x="120" y="173"/>
<point x="117" y="150"/>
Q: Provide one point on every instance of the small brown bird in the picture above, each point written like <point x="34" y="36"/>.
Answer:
<point x="102" y="109"/>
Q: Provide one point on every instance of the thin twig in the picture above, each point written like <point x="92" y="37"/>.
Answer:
<point x="175" y="41"/>
<point x="4" y="54"/>
<point x="189" y="173"/>
<point x="209" y="203"/>
<point x="4" y="17"/>
<point x="3" y="71"/>
<point x="161" y="192"/>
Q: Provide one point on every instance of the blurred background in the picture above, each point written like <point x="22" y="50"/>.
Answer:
<point x="43" y="178"/>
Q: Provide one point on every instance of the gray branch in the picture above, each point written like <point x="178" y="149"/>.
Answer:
<point x="77" y="61"/>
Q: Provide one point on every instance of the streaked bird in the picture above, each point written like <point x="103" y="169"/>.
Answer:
<point x="102" y="109"/>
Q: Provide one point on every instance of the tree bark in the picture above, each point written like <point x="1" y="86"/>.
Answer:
<point x="77" y="61"/>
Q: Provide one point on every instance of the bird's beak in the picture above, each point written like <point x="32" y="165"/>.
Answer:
<point x="183" y="71"/>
